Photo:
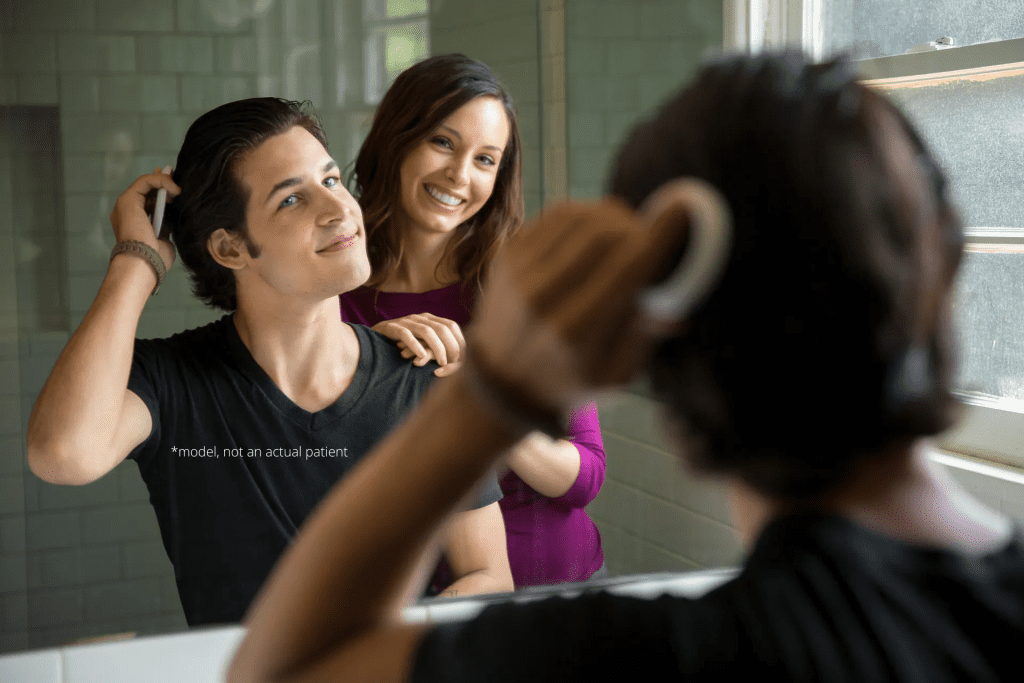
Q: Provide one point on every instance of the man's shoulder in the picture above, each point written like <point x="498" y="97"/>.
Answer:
<point x="387" y="357"/>
<point x="188" y="344"/>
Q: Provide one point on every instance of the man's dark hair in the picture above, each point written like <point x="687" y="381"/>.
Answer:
<point x="828" y="338"/>
<point x="212" y="196"/>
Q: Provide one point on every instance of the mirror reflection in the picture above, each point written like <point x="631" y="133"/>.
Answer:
<point x="105" y="92"/>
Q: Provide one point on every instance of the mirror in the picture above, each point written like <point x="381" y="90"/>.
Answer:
<point x="103" y="91"/>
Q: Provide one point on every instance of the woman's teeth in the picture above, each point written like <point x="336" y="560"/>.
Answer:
<point x="443" y="198"/>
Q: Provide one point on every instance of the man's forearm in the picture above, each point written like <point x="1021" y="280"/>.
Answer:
<point x="368" y="533"/>
<point x="78" y="408"/>
<point x="416" y="580"/>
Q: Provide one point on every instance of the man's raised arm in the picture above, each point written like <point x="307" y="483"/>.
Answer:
<point x="85" y="421"/>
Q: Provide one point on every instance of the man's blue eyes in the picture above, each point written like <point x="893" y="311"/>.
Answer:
<point x="290" y="200"/>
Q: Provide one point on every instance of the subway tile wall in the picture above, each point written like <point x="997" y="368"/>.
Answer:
<point x="654" y="516"/>
<point x="506" y="36"/>
<point x="83" y="561"/>
<point x="622" y="59"/>
<point x="128" y="77"/>
<point x="554" y="153"/>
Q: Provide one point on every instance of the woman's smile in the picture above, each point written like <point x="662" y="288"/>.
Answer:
<point x="449" y="201"/>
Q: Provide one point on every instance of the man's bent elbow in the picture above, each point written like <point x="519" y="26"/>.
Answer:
<point x="58" y="464"/>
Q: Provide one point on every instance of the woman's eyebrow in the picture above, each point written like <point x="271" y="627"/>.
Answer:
<point x="459" y="136"/>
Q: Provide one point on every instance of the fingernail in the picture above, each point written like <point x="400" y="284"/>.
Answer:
<point x="167" y="170"/>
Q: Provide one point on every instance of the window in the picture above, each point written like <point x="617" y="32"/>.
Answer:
<point x="956" y="67"/>
<point x="957" y="70"/>
<point x="882" y="28"/>
<point x="397" y="36"/>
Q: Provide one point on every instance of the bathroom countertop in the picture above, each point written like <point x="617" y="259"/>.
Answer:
<point x="690" y="584"/>
<point x="201" y="655"/>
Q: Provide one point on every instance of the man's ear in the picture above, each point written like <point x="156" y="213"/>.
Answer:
<point x="227" y="249"/>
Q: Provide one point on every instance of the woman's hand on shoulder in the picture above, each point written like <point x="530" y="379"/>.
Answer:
<point x="425" y="337"/>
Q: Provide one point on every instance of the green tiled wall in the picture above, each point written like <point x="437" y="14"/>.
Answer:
<point x="471" y="27"/>
<point x="128" y="77"/>
<point x="622" y="59"/>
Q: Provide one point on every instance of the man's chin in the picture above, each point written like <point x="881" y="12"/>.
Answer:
<point x="355" y="282"/>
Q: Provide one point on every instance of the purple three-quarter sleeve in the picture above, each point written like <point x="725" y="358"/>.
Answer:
<point x="585" y="434"/>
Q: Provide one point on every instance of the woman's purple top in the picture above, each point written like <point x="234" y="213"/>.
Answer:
<point x="550" y="540"/>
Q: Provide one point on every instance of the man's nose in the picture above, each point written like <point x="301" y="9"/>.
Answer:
<point x="334" y="205"/>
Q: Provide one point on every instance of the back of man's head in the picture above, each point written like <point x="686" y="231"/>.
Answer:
<point x="212" y="196"/>
<point x="837" y="281"/>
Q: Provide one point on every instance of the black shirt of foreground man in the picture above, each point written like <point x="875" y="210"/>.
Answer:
<point x="820" y="599"/>
<point x="234" y="467"/>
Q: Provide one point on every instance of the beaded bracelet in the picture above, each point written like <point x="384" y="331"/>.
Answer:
<point x="146" y="252"/>
<point x="518" y="411"/>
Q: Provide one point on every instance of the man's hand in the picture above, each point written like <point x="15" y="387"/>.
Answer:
<point x="129" y="218"/>
<point x="560" y="317"/>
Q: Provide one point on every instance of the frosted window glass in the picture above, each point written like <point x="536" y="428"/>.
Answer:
<point x="405" y="46"/>
<point x="988" y="311"/>
<point x="976" y="128"/>
<point x="882" y="28"/>
<point x="377" y="10"/>
<point x="390" y="50"/>
<point x="405" y="8"/>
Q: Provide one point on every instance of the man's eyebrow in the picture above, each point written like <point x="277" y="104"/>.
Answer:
<point x="291" y="182"/>
<point x="459" y="136"/>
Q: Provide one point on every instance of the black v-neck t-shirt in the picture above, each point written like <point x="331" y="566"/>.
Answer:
<point x="820" y="598"/>
<point x="234" y="467"/>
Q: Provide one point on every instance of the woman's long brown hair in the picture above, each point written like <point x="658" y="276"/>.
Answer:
<point x="414" y="106"/>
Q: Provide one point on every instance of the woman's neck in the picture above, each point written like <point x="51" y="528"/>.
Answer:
<point x="903" y="495"/>
<point x="421" y="269"/>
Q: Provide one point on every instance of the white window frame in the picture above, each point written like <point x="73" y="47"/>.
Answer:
<point x="991" y="429"/>
<point x="756" y="25"/>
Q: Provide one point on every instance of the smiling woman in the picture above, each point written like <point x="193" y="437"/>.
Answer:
<point x="447" y="178"/>
<point x="445" y="127"/>
<point x="445" y="142"/>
